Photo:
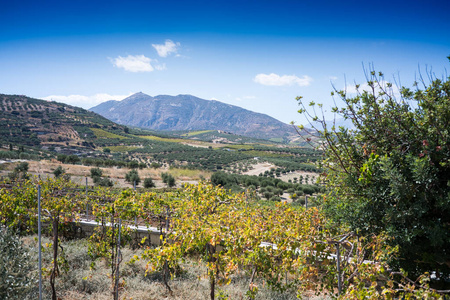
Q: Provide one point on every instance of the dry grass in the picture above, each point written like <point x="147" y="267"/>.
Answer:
<point x="78" y="173"/>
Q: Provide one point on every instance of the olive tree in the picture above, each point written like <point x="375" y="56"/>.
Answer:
<point x="391" y="172"/>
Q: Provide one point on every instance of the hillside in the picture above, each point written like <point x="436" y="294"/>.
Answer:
<point x="25" y="121"/>
<point x="186" y="112"/>
<point x="37" y="129"/>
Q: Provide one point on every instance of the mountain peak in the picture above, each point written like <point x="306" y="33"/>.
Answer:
<point x="137" y="95"/>
<point x="187" y="112"/>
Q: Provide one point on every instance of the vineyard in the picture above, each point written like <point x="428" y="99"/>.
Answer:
<point x="284" y="249"/>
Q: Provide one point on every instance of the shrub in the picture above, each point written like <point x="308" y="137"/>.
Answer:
<point x="15" y="282"/>
<point x="132" y="177"/>
<point x="59" y="171"/>
<point x="96" y="172"/>
<point x="155" y="165"/>
<point x="168" y="179"/>
<point x="104" y="182"/>
<point x="148" y="183"/>
<point x="20" y="172"/>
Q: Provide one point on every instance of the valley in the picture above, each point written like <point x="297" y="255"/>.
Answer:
<point x="50" y="135"/>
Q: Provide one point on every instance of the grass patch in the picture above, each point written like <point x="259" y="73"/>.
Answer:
<point x="267" y="154"/>
<point x="276" y="140"/>
<point x="121" y="148"/>
<point x="161" y="139"/>
<point x="191" y="174"/>
<point x="193" y="133"/>
<point x="100" y="133"/>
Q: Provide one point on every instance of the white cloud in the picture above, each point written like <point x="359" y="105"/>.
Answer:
<point x="85" y="101"/>
<point x="277" y="80"/>
<point x="165" y="49"/>
<point x="134" y="63"/>
<point x="333" y="78"/>
<point x="160" y="67"/>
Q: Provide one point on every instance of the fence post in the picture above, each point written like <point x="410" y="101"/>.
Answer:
<point x="87" y="204"/>
<point x="39" y="237"/>
<point x="135" y="218"/>
<point x="116" y="283"/>
<point x="338" y="263"/>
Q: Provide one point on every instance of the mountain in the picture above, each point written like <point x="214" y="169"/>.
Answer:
<point x="186" y="112"/>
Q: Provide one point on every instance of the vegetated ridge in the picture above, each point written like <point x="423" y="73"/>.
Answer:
<point x="25" y="121"/>
<point x="186" y="112"/>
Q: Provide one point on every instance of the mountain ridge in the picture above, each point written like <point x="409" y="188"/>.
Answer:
<point x="188" y="112"/>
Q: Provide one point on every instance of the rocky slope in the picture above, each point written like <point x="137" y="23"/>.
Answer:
<point x="186" y="112"/>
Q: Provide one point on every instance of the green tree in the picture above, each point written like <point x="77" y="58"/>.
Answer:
<point x="391" y="173"/>
<point x="168" y="179"/>
<point x="59" y="171"/>
<point x="148" y="183"/>
<point x="155" y="165"/>
<point x="96" y="175"/>
<point x="132" y="177"/>
<point x="133" y="164"/>
<point x="20" y="172"/>
<point x="96" y="172"/>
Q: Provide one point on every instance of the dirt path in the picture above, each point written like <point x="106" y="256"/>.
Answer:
<point x="259" y="168"/>
<point x="262" y="167"/>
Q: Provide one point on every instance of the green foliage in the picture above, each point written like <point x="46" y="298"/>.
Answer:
<point x="168" y="179"/>
<point x="15" y="279"/>
<point x="155" y="165"/>
<point x="148" y="183"/>
<point x="103" y="181"/>
<point x="269" y="186"/>
<point x="282" y="247"/>
<point x="22" y="167"/>
<point x="96" y="172"/>
<point x="133" y="164"/>
<point x="59" y="171"/>
<point x="96" y="175"/>
<point x="132" y="177"/>
<point x="20" y="172"/>
<point x="392" y="172"/>
<point x="68" y="159"/>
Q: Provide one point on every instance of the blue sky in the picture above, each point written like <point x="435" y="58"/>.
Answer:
<point x="258" y="55"/>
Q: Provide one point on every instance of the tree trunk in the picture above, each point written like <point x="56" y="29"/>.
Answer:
<point x="55" y="270"/>
<point x="212" y="277"/>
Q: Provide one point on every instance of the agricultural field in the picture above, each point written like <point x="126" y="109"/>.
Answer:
<point x="100" y="133"/>
<point x="229" y="246"/>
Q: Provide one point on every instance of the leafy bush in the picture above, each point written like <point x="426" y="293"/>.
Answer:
<point x="391" y="173"/>
<point x="155" y="165"/>
<point x="148" y="183"/>
<point x="15" y="280"/>
<point x="132" y="177"/>
<point x="96" y="175"/>
<point x="102" y="181"/>
<point x="59" y="171"/>
<point x="168" y="179"/>
<point x="20" y="172"/>
<point x="96" y="172"/>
